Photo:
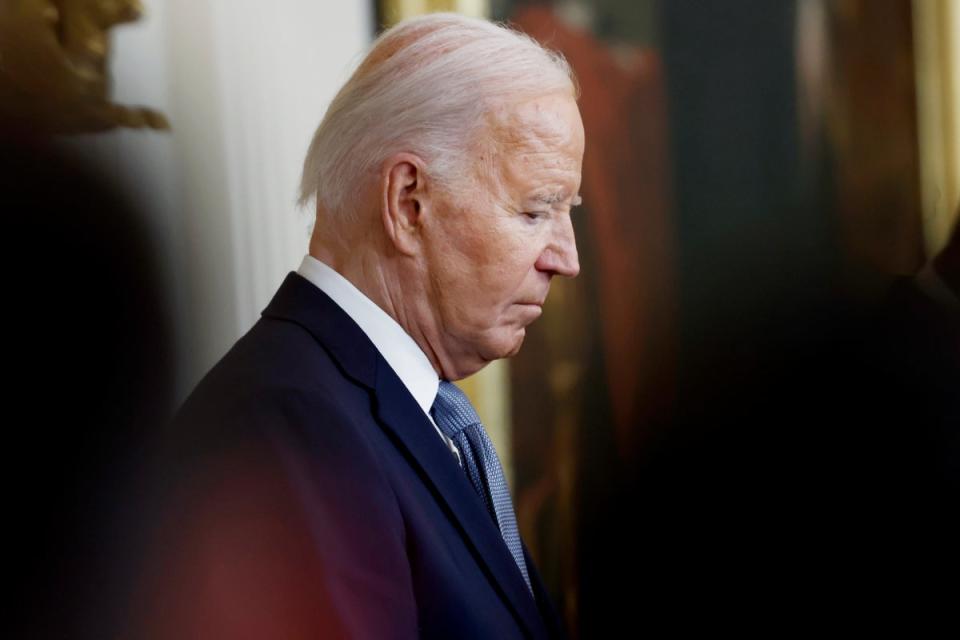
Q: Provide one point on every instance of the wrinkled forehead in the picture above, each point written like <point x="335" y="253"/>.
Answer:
<point x="534" y="143"/>
<point x="551" y="121"/>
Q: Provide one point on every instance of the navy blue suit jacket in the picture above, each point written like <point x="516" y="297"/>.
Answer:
<point x="315" y="499"/>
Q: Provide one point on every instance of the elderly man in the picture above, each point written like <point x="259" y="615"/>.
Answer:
<point x="334" y="482"/>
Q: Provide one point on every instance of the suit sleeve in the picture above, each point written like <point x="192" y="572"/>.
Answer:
<point x="290" y="530"/>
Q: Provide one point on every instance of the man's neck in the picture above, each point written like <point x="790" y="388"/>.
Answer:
<point x="369" y="272"/>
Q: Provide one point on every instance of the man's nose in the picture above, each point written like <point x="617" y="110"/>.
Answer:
<point x="560" y="256"/>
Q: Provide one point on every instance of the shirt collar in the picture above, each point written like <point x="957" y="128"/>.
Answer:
<point x="395" y="345"/>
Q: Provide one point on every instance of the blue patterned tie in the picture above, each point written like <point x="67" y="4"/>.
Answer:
<point x="459" y="421"/>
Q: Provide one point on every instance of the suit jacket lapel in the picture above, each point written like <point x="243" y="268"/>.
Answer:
<point x="403" y="417"/>
<point x="298" y="300"/>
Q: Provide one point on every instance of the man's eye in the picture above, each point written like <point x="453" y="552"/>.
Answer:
<point x="534" y="215"/>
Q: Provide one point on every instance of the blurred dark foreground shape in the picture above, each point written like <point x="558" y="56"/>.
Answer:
<point x="89" y="340"/>
<point x="88" y="383"/>
<point x="814" y="480"/>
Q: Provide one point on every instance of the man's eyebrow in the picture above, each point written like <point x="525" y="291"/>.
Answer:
<point x="554" y="197"/>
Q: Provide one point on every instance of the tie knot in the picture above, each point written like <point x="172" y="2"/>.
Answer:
<point x="452" y="410"/>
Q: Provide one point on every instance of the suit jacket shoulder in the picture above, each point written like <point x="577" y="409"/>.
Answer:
<point x="302" y="465"/>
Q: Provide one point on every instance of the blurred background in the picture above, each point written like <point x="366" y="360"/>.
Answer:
<point x="744" y="409"/>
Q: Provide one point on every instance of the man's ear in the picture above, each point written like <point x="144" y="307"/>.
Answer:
<point x="405" y="200"/>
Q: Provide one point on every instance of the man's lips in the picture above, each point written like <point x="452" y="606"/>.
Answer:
<point x="537" y="302"/>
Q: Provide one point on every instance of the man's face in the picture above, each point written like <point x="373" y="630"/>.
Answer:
<point x="495" y="245"/>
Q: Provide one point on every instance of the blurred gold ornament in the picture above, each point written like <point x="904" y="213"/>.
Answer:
<point x="53" y="66"/>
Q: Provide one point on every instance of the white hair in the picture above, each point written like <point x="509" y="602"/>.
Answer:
<point x="424" y="88"/>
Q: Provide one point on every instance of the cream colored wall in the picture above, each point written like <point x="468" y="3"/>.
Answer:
<point x="244" y="84"/>
<point x="396" y="10"/>
<point x="937" y="48"/>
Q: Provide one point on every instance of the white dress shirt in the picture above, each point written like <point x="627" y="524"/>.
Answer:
<point x="394" y="344"/>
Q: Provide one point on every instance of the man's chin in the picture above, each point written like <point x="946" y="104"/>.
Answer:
<point x="505" y="346"/>
<point x="512" y="347"/>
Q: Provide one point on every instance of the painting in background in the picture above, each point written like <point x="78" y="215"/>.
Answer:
<point x="741" y="162"/>
<point x="581" y="405"/>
